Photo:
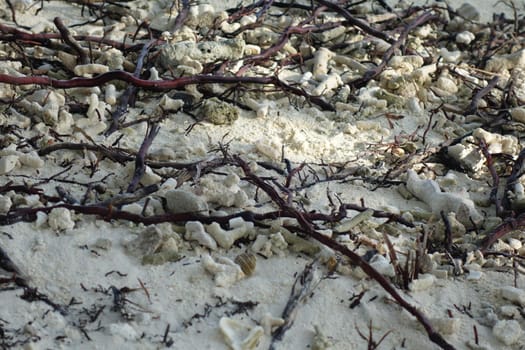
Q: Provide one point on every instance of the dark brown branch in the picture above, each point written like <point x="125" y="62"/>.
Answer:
<point x="70" y="40"/>
<point x="140" y="165"/>
<point x="372" y="73"/>
<point x="14" y="34"/>
<point x="495" y="177"/>
<point x="365" y="27"/>
<point x="128" y="97"/>
<point x="124" y="155"/>
<point x="473" y="106"/>
<point x="513" y="179"/>
<point x="181" y="16"/>
<point x="511" y="224"/>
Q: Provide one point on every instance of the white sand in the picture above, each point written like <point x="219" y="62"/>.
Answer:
<point x="70" y="267"/>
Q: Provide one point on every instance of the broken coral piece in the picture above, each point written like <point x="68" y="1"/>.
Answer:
<point x="239" y="335"/>
<point x="429" y="192"/>
<point x="226" y="272"/>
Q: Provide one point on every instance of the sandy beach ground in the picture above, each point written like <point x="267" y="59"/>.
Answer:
<point x="213" y="244"/>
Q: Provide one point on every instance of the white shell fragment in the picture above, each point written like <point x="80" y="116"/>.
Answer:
<point x="169" y="104"/>
<point x="497" y="143"/>
<point x="111" y="94"/>
<point x="465" y="37"/>
<point x="429" y="192"/>
<point x="239" y="335"/>
<point x="31" y="160"/>
<point x="60" y="219"/>
<point x="518" y="114"/>
<point x="225" y="271"/>
<point x="149" y="177"/>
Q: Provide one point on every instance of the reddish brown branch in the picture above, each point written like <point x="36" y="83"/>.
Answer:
<point x="161" y="85"/>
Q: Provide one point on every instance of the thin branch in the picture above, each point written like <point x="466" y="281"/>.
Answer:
<point x="70" y="40"/>
<point x="372" y="73"/>
<point x="306" y="227"/>
<point x="161" y="85"/>
<point x="473" y="106"/>
<point x="140" y="165"/>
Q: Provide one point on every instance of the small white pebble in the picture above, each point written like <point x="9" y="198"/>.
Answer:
<point x="465" y="37"/>
<point x="518" y="114"/>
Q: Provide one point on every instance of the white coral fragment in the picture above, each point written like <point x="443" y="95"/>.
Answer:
<point x="8" y="163"/>
<point x="225" y="192"/>
<point x="498" y="143"/>
<point x="206" y="51"/>
<point x="320" y="62"/>
<point x="169" y="104"/>
<point x="226" y="238"/>
<point x="429" y="192"/>
<point x="60" y="219"/>
<point x="110" y="94"/>
<point x="506" y="62"/>
<point x="329" y="83"/>
<point x="269" y="322"/>
<point x="225" y="271"/>
<point x="87" y="70"/>
<point x="239" y="335"/>
<point x="5" y="204"/>
<point x="195" y="232"/>
<point x="507" y="331"/>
